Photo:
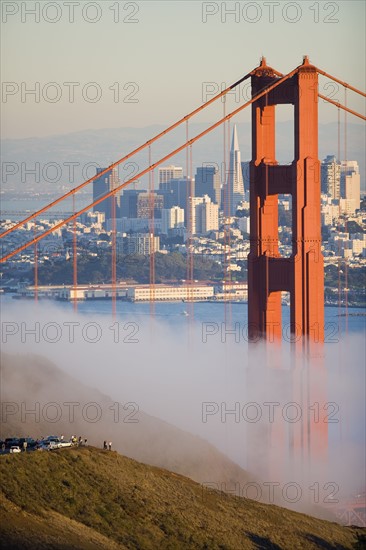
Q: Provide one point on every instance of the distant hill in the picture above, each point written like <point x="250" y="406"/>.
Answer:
<point x="103" y="146"/>
<point x="86" y="498"/>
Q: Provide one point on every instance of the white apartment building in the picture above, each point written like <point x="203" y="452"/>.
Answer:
<point x="204" y="215"/>
<point x="350" y="185"/>
<point x="171" y="218"/>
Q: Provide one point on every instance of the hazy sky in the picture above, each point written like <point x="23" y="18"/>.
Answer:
<point x="161" y="53"/>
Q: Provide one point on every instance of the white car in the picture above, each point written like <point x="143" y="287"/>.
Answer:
<point x="54" y="444"/>
<point x="64" y="444"/>
<point x="15" y="449"/>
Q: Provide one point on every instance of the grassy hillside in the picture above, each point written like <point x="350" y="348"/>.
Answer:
<point x="88" y="498"/>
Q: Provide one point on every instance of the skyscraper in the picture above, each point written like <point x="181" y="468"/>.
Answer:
<point x="129" y="202"/>
<point x="350" y="184"/>
<point x="167" y="173"/>
<point x="233" y="191"/>
<point x="207" y="182"/>
<point x="204" y="215"/>
<point x="181" y="189"/>
<point x="103" y="185"/>
<point x="331" y="177"/>
<point x="172" y="218"/>
<point x="148" y="202"/>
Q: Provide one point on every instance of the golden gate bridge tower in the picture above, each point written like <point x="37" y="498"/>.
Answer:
<point x="302" y="275"/>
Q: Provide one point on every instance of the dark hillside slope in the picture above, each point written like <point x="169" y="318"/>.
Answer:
<point x="89" y="498"/>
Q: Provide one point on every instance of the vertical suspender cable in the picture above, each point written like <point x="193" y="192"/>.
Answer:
<point x="35" y="266"/>
<point x="190" y="208"/>
<point x="228" y="243"/>
<point x="151" y="237"/>
<point x="336" y="176"/>
<point x="336" y="192"/>
<point x="74" y="258"/>
<point x="191" y="255"/>
<point x="113" y="252"/>
<point x="346" y="225"/>
<point x="226" y="204"/>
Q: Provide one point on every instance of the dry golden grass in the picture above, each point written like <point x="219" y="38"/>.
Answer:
<point x="88" y="498"/>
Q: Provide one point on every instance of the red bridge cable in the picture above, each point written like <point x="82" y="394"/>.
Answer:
<point x="151" y="167"/>
<point x="345" y="222"/>
<point x="345" y="84"/>
<point x="339" y="105"/>
<point x="126" y="157"/>
<point x="74" y="258"/>
<point x="35" y="267"/>
<point x="114" y="257"/>
<point x="151" y="209"/>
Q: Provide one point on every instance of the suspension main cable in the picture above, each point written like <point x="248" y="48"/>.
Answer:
<point x="128" y="156"/>
<point x="151" y="167"/>
<point x="340" y="106"/>
<point x="345" y="84"/>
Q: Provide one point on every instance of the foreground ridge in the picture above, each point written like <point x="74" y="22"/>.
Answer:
<point x="90" y="498"/>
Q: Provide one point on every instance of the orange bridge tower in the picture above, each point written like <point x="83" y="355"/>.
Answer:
<point x="302" y="274"/>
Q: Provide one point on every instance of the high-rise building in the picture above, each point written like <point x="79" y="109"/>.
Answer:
<point x="233" y="190"/>
<point x="331" y="177"/>
<point x="350" y="184"/>
<point x="102" y="185"/>
<point x="167" y="195"/>
<point x="180" y="190"/>
<point x="148" y="202"/>
<point x="209" y="217"/>
<point x="171" y="218"/>
<point x="167" y="173"/>
<point x="207" y="182"/>
<point x="128" y="207"/>
<point x="204" y="215"/>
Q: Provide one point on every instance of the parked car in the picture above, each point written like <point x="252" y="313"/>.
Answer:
<point x="11" y="441"/>
<point x="43" y="446"/>
<point x="65" y="444"/>
<point x="15" y="449"/>
<point x="54" y="444"/>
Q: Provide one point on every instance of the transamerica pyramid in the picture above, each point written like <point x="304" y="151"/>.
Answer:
<point x="233" y="192"/>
